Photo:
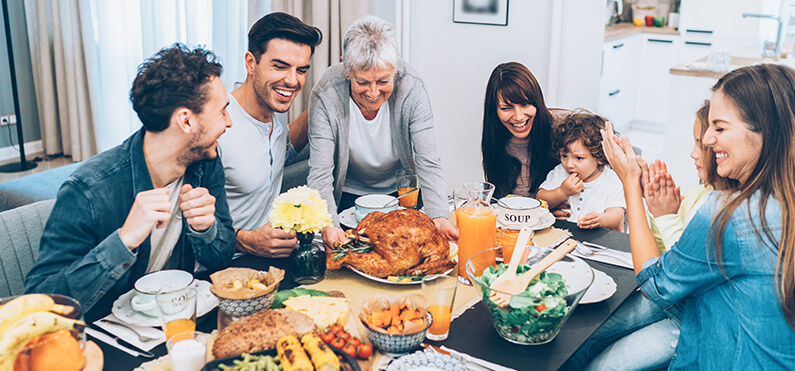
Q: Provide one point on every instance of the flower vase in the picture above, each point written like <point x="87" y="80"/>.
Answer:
<point x="307" y="261"/>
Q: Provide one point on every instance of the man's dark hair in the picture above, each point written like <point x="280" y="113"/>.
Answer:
<point x="281" y="26"/>
<point x="175" y="77"/>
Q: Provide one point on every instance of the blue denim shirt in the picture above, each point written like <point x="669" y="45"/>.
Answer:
<point x="81" y="254"/>
<point x="732" y="321"/>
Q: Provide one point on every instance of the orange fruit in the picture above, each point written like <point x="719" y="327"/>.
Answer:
<point x="57" y="350"/>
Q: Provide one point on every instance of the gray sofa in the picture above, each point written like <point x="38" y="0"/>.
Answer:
<point x="44" y="185"/>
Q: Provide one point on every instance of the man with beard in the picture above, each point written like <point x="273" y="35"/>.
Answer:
<point x="154" y="202"/>
<point x="255" y="150"/>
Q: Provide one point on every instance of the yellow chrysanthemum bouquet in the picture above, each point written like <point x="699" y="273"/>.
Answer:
<point x="302" y="210"/>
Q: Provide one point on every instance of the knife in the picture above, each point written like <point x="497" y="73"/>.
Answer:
<point x="117" y="342"/>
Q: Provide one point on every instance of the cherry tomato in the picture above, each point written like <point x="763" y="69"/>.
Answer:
<point x="365" y="351"/>
<point x="354" y="341"/>
<point x="351" y="350"/>
<point x="540" y="307"/>
<point x="337" y="328"/>
<point x="327" y="337"/>
<point x="346" y="336"/>
<point x="338" y="343"/>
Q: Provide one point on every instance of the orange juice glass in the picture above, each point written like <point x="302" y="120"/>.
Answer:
<point x="477" y="230"/>
<point x="506" y="239"/>
<point x="439" y="291"/>
<point x="409" y="201"/>
<point x="178" y="312"/>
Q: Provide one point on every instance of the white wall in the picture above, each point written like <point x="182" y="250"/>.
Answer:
<point x="456" y="60"/>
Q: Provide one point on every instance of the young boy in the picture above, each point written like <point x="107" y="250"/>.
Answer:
<point x="593" y="192"/>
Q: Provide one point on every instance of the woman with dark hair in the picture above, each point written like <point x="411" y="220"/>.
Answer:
<point x="517" y="132"/>
<point x="733" y="269"/>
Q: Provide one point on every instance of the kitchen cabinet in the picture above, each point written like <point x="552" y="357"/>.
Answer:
<point x="618" y="86"/>
<point x="709" y="25"/>
<point x="658" y="54"/>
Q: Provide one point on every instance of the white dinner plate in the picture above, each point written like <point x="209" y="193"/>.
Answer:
<point x="453" y="255"/>
<point x="347" y="218"/>
<point x="123" y="310"/>
<point x="603" y="287"/>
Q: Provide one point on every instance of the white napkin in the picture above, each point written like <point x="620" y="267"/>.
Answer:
<point x="105" y="338"/>
<point x="130" y="336"/>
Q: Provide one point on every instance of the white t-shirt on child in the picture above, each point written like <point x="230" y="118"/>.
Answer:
<point x="598" y="195"/>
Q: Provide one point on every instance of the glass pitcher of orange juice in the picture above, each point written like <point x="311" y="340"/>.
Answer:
<point x="477" y="225"/>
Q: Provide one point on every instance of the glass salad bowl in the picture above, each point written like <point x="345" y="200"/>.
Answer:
<point x="536" y="315"/>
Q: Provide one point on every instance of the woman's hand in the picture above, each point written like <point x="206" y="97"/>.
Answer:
<point x="620" y="155"/>
<point x="662" y="195"/>
<point x="448" y="230"/>
<point x="331" y="235"/>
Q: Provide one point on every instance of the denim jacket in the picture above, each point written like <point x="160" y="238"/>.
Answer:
<point x="732" y="321"/>
<point x="81" y="254"/>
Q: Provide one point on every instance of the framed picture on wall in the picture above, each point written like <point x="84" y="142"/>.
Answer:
<point x="493" y="12"/>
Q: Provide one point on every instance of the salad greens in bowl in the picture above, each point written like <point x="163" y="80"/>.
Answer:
<point x="536" y="315"/>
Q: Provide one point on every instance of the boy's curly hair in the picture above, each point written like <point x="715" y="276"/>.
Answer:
<point x="580" y="125"/>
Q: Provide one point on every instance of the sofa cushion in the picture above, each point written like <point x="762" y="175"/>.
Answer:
<point x="34" y="187"/>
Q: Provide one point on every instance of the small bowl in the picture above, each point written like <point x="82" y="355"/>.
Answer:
<point x="398" y="344"/>
<point x="246" y="307"/>
<point x="520" y="210"/>
<point x="375" y="202"/>
<point x="519" y="322"/>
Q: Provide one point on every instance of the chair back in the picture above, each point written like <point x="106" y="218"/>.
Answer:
<point x="20" y="234"/>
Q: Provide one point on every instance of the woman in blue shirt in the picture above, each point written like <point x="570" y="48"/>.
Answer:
<point x="733" y="270"/>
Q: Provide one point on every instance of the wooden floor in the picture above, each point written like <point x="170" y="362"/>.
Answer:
<point x="44" y="163"/>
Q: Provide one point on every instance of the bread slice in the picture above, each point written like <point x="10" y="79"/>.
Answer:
<point x="260" y="331"/>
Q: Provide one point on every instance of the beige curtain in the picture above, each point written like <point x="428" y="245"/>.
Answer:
<point x="58" y="32"/>
<point x="332" y="17"/>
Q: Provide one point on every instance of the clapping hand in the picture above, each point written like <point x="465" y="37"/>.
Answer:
<point x="198" y="207"/>
<point x="150" y="209"/>
<point x="620" y="155"/>
<point x="661" y="193"/>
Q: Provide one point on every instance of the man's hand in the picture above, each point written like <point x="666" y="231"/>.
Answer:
<point x="572" y="185"/>
<point x="198" y="207"/>
<point x="267" y="241"/>
<point x="448" y="230"/>
<point x="331" y="235"/>
<point x="149" y="210"/>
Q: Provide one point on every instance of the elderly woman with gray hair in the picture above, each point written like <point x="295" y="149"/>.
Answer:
<point x="370" y="116"/>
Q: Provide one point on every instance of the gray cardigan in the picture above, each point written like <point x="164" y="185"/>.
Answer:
<point x="411" y="127"/>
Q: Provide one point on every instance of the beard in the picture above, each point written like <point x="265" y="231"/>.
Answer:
<point x="267" y="97"/>
<point x="198" y="149"/>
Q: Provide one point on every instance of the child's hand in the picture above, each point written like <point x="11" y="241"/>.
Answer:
<point x="661" y="193"/>
<point x="572" y="185"/>
<point x="590" y="221"/>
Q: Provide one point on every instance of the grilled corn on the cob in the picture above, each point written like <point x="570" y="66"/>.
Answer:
<point x="322" y="356"/>
<point x="292" y="354"/>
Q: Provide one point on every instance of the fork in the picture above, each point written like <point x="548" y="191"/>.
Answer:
<point x="501" y="294"/>
<point x="142" y="338"/>
<point x="518" y="252"/>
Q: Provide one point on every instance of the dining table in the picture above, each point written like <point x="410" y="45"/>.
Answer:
<point x="471" y="332"/>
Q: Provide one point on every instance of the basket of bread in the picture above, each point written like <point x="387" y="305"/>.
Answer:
<point x="244" y="291"/>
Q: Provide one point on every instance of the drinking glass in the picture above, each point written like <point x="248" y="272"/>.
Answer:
<point x="439" y="290"/>
<point x="506" y="239"/>
<point x="178" y="312"/>
<point x="188" y="351"/>
<point x="406" y="180"/>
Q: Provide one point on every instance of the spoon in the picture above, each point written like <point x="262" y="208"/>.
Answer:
<point x="395" y="201"/>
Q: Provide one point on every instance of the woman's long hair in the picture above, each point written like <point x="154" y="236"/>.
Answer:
<point x="764" y="95"/>
<point x="514" y="83"/>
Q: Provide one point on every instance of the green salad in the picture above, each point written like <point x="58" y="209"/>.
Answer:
<point x="532" y="316"/>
